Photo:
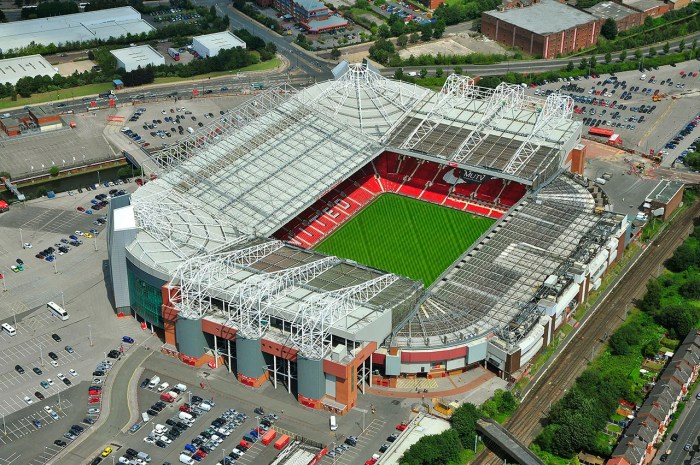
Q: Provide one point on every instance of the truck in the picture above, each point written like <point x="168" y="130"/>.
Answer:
<point x="615" y="139"/>
<point x="155" y="381"/>
<point x="594" y="131"/>
<point x="168" y="397"/>
<point x="180" y="387"/>
<point x="108" y="94"/>
<point x="282" y="442"/>
<point x="174" y="54"/>
<point x="269" y="437"/>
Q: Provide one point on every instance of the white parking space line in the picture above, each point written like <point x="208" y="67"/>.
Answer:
<point x="10" y="459"/>
<point x="251" y="454"/>
<point x="23" y="426"/>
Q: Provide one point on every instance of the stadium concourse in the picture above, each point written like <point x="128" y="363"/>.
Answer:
<point x="216" y="254"/>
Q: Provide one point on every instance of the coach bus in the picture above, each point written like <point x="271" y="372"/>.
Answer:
<point x="9" y="329"/>
<point x="56" y="310"/>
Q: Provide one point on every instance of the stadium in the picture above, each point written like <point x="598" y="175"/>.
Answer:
<point x="365" y="230"/>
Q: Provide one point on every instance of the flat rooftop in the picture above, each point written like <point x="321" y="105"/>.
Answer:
<point x="220" y="40"/>
<point x="611" y="10"/>
<point x="79" y="27"/>
<point x="332" y="21"/>
<point x="664" y="191"/>
<point x="546" y="17"/>
<point x="13" y="69"/>
<point x="643" y="5"/>
<point x="141" y="55"/>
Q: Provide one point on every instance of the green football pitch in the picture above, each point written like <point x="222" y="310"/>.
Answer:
<point x="405" y="236"/>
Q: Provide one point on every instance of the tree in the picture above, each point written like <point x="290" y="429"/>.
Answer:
<point x="402" y="40"/>
<point x="464" y="422"/>
<point x="693" y="160"/>
<point x="681" y="45"/>
<point x="423" y="73"/>
<point x="667" y="47"/>
<point x="652" y="298"/>
<point x="638" y="53"/>
<point x="439" y="72"/>
<point x="651" y="348"/>
<point x="335" y="53"/>
<point x="609" y="29"/>
<point x="457" y="70"/>
<point x="54" y="170"/>
<point x="678" y="319"/>
<point x="652" y="51"/>
<point x="382" y="50"/>
<point x="592" y="62"/>
<point x="415" y="37"/>
<point x="2" y="17"/>
<point x="438" y="29"/>
<point x="398" y="74"/>
<point x="570" y="65"/>
<point x="683" y="257"/>
<point x="690" y="289"/>
<point x="623" y="55"/>
<point x="583" y="64"/>
<point x="426" y="32"/>
<point x="384" y="32"/>
<point x="694" y="44"/>
<point x="608" y="58"/>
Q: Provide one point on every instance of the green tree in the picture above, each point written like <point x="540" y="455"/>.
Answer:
<point x="693" y="160"/>
<point x="54" y="170"/>
<point x="3" y="19"/>
<point x="426" y="32"/>
<point x="583" y="64"/>
<point x="398" y="74"/>
<point x="609" y="29"/>
<point x="570" y="66"/>
<point x="382" y="51"/>
<point x="652" y="51"/>
<point x="638" y="53"/>
<point x="335" y="53"/>
<point x="384" y="32"/>
<point x="681" y="45"/>
<point x="423" y="73"/>
<point x="438" y="29"/>
<point x="439" y="72"/>
<point x="678" y="319"/>
<point x="457" y="70"/>
<point x="652" y="298"/>
<point x="608" y="58"/>
<point x="694" y="44"/>
<point x="464" y="422"/>
<point x="667" y="47"/>
<point x="690" y="289"/>
<point x="623" y="55"/>
<point x="593" y="62"/>
<point x="651" y="348"/>
<point x="415" y="37"/>
<point x="402" y="40"/>
<point x="683" y="257"/>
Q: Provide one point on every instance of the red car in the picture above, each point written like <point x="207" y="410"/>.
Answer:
<point x="139" y="181"/>
<point x="95" y="392"/>
<point x="402" y="426"/>
<point x="202" y="453"/>
<point x="371" y="462"/>
<point x="93" y="400"/>
<point x="185" y="408"/>
<point x="81" y="209"/>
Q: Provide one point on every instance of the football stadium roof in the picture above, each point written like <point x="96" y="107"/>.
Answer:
<point x="247" y="174"/>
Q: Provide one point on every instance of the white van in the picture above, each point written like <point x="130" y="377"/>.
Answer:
<point x="333" y="423"/>
<point x="145" y="417"/>
<point x="180" y="387"/>
<point x="186" y="459"/>
<point x="144" y="456"/>
<point x="165" y="385"/>
<point x="204" y="406"/>
<point x="190" y="130"/>
<point x="154" y="382"/>
<point x="184" y="416"/>
<point x="642" y="77"/>
<point x="160" y="429"/>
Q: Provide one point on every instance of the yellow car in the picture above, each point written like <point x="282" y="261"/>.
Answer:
<point x="87" y="235"/>
<point x="107" y="451"/>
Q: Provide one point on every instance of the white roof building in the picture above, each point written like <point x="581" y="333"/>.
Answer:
<point x="210" y="45"/>
<point x="13" y="69"/>
<point x="79" y="27"/>
<point x="131" y="58"/>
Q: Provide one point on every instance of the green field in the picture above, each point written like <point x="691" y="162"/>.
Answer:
<point x="405" y="236"/>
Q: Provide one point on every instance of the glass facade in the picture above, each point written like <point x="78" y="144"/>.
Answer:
<point x="146" y="299"/>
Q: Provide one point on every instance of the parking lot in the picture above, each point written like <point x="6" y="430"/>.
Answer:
<point x="624" y="104"/>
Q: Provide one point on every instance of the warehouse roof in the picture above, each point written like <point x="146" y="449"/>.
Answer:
<point x="643" y="5"/>
<point x="220" y="40"/>
<point x="664" y="191"/>
<point x="13" y="69"/>
<point x="79" y="27"/>
<point x="545" y="17"/>
<point x="133" y="57"/>
<point x="311" y="5"/>
<point x="612" y="10"/>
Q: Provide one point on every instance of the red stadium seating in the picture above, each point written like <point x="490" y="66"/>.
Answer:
<point x="405" y="176"/>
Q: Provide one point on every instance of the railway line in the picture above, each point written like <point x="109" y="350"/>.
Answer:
<point x="607" y="315"/>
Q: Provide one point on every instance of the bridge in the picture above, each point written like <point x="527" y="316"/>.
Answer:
<point x="505" y="441"/>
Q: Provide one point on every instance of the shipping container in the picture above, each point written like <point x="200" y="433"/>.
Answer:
<point x="282" y="442"/>
<point x="268" y="437"/>
<point x="601" y="132"/>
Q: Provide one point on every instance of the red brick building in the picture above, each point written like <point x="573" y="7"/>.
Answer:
<point x="653" y="8"/>
<point x="544" y="28"/>
<point x="625" y="17"/>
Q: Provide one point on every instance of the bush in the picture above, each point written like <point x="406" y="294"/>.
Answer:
<point x="54" y="171"/>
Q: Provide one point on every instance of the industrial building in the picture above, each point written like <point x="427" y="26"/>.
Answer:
<point x="624" y="17"/>
<point x="216" y="252"/>
<point x="545" y="28"/>
<point x="37" y="119"/>
<point x="210" y="45"/>
<point x="653" y="8"/>
<point x="131" y="58"/>
<point x="78" y="27"/>
<point x="14" y="69"/>
<point x="664" y="199"/>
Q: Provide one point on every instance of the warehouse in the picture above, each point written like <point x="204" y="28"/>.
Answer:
<point x="546" y="28"/>
<point x="625" y="17"/>
<point x="79" y="27"/>
<point x="210" y="45"/>
<point x="132" y="58"/>
<point x="13" y="69"/>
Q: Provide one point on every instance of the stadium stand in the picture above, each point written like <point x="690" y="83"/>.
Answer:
<point x="403" y="175"/>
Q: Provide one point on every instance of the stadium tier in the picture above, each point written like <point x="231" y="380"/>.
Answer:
<point x="454" y="235"/>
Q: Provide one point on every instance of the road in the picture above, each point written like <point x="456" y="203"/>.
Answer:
<point x="573" y="355"/>
<point x="688" y="429"/>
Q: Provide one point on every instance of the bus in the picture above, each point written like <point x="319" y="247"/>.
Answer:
<point x="56" y="310"/>
<point x="9" y="329"/>
<point x="257" y="86"/>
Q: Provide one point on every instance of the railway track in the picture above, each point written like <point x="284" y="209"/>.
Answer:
<point x="608" y="315"/>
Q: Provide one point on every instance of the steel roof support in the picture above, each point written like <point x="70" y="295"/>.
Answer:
<point x="557" y="109"/>
<point x="505" y="99"/>
<point x="456" y="89"/>
<point x="316" y="316"/>
<point x="255" y="295"/>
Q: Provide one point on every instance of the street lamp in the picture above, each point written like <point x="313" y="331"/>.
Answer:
<point x="90" y="336"/>
<point x="21" y="240"/>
